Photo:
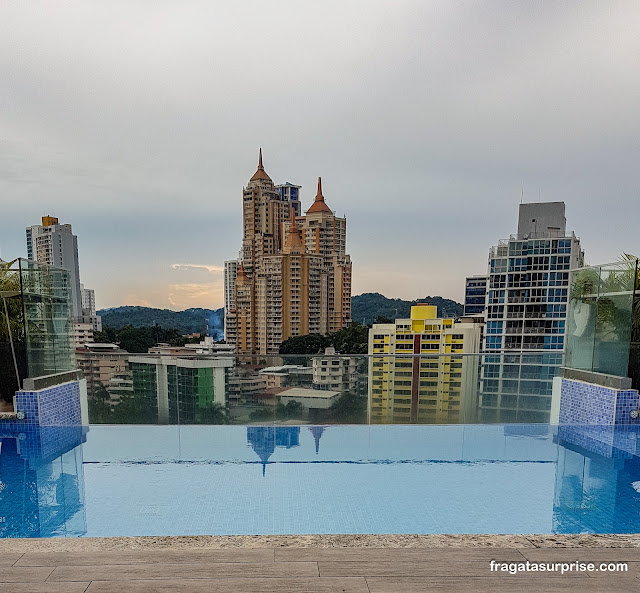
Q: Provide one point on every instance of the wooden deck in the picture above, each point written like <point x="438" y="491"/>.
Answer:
<point x="308" y="570"/>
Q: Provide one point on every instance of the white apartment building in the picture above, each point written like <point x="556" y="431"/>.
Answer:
<point x="230" y="273"/>
<point x="89" y="308"/>
<point x="54" y="244"/>
<point x="333" y="372"/>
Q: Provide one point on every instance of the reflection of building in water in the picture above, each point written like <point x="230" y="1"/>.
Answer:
<point x="317" y="431"/>
<point x="597" y="478"/>
<point x="265" y="439"/>
<point x="41" y="481"/>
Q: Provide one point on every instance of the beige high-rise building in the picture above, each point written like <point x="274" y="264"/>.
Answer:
<point x="293" y="277"/>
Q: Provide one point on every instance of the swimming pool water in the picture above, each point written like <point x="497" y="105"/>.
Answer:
<point x="233" y="480"/>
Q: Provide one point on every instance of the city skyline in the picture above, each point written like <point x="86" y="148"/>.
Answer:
<point x="137" y="124"/>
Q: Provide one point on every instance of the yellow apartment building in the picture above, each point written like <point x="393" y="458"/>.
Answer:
<point x="422" y="369"/>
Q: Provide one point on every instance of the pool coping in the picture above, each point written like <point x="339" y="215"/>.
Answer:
<point x="85" y="544"/>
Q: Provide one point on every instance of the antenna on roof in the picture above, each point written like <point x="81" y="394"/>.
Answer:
<point x="522" y="194"/>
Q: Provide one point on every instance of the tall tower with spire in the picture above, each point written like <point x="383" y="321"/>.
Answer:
<point x="293" y="276"/>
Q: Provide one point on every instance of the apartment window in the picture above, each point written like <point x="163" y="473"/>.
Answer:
<point x="494" y="327"/>
<point x="557" y="295"/>
<point x="494" y="342"/>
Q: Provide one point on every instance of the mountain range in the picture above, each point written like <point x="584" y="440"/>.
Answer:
<point x="365" y="309"/>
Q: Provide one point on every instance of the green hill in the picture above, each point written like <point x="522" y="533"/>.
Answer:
<point x="365" y="308"/>
<point x="186" y="322"/>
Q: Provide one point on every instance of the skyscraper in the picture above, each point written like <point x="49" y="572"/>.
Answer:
<point x="525" y="314"/>
<point x="293" y="276"/>
<point x="54" y="244"/>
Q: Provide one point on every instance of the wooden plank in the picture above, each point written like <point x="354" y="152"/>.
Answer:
<point x="398" y="554"/>
<point x="77" y="587"/>
<point x="237" y="585"/>
<point x="126" y="572"/>
<point x="505" y="584"/>
<point x="9" y="558"/>
<point x="25" y="574"/>
<point x="452" y="568"/>
<point x="145" y="557"/>
<point x="582" y="554"/>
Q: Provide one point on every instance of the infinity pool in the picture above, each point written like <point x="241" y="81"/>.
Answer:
<point x="234" y="480"/>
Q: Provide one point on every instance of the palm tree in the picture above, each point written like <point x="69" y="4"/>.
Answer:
<point x="634" y="264"/>
<point x="11" y="326"/>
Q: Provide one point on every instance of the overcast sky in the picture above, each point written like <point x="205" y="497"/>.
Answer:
<point x="139" y="122"/>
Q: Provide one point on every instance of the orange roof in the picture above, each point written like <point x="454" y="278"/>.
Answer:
<point x="241" y="275"/>
<point x="260" y="173"/>
<point x="293" y="244"/>
<point x="319" y="205"/>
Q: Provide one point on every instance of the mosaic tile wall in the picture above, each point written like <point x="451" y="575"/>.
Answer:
<point x="608" y="441"/>
<point x="53" y="406"/>
<point x="587" y="403"/>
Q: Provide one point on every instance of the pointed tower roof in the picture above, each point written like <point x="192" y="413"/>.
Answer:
<point x="241" y="275"/>
<point x="260" y="173"/>
<point x="319" y="205"/>
<point x="293" y="244"/>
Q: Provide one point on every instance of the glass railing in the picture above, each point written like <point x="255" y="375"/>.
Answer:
<point x="318" y="389"/>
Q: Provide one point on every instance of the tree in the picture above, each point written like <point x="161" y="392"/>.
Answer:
<point x="349" y="409"/>
<point x="292" y="409"/>
<point x="140" y="339"/>
<point x="12" y="339"/>
<point x="349" y="340"/>
<point x="213" y="413"/>
<point x="309" y="344"/>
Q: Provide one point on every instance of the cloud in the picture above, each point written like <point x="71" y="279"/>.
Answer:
<point x="134" y="300"/>
<point x="206" y="295"/>
<point x="214" y="269"/>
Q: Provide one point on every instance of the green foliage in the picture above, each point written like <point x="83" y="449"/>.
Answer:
<point x="288" y="411"/>
<point x="140" y="339"/>
<point x="266" y="413"/>
<point x="214" y="413"/>
<point x="349" y="340"/>
<point x="10" y="281"/>
<point x="129" y="409"/>
<point x="292" y="409"/>
<point x="634" y="263"/>
<point x="365" y="308"/>
<point x="349" y="409"/>
<point x="309" y="344"/>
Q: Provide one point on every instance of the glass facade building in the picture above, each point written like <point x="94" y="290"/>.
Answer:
<point x="603" y="319"/>
<point x="526" y="309"/>
<point x="475" y="293"/>
<point x="38" y="299"/>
